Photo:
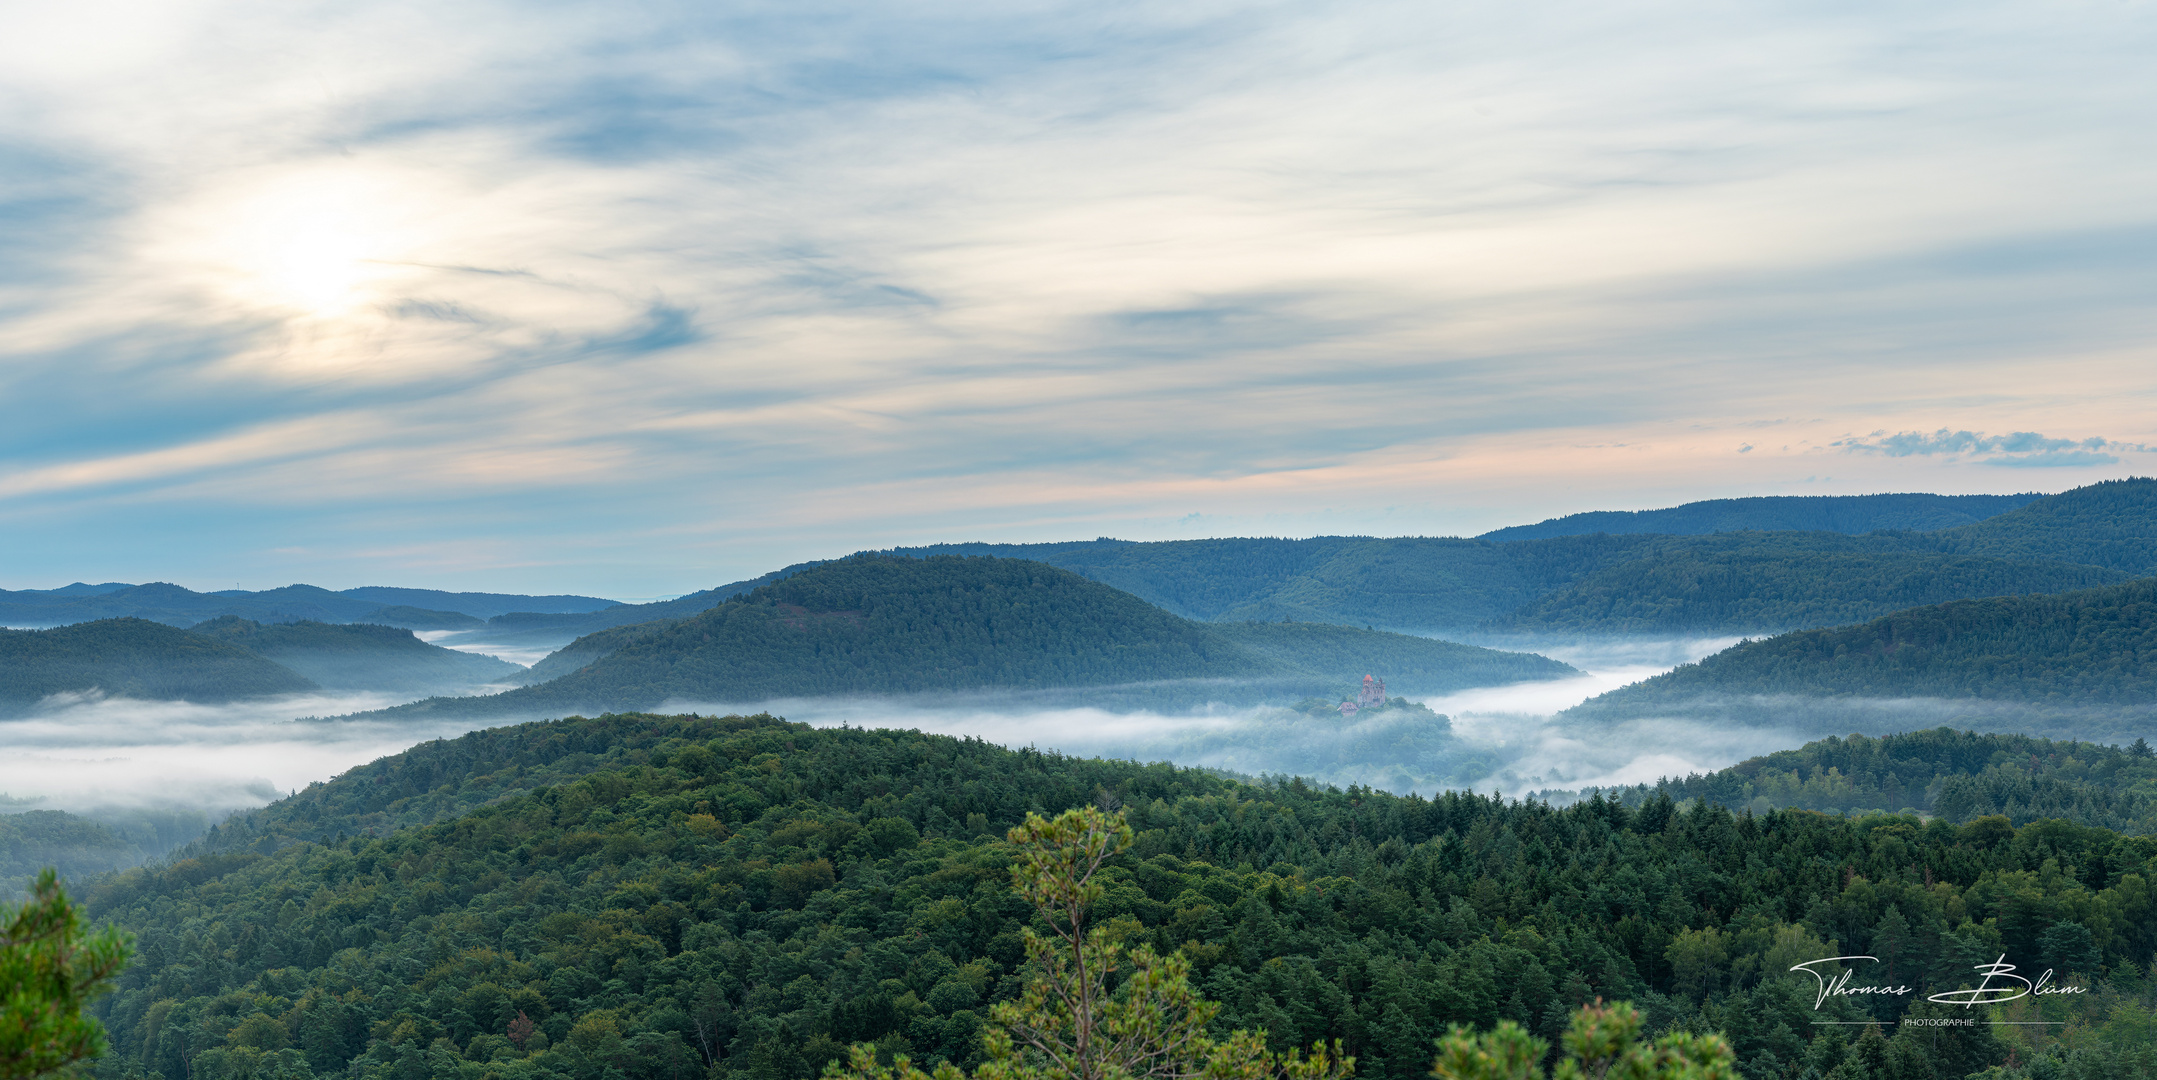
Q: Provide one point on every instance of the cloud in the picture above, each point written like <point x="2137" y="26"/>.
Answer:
<point x="2020" y="450"/>
<point x="643" y="301"/>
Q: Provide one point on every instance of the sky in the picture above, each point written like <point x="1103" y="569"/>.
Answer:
<point x="633" y="299"/>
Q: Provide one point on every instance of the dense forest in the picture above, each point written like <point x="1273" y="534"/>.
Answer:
<point x="177" y="606"/>
<point x="1725" y="566"/>
<point x="417" y="618"/>
<point x="78" y="845"/>
<point x="361" y="656"/>
<point x="2089" y="646"/>
<point x="1632" y="582"/>
<point x="133" y="658"/>
<point x="1409" y="664"/>
<point x="1685" y="592"/>
<point x="1957" y="775"/>
<point x="888" y="625"/>
<point x="1852" y="514"/>
<point x="2108" y="524"/>
<point x="744" y="897"/>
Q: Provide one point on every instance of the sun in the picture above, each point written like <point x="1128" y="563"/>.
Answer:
<point x="321" y="241"/>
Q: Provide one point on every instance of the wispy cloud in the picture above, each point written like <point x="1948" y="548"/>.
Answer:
<point x="647" y="300"/>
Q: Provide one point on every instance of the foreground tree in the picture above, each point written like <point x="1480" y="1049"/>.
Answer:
<point x="1073" y="1022"/>
<point x="1602" y="1044"/>
<point x="50" y="967"/>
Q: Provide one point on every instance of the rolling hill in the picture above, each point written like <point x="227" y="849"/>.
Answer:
<point x="1853" y="514"/>
<point x="361" y="656"/>
<point x="1957" y="775"/>
<point x="134" y="658"/>
<point x="177" y="606"/>
<point x="1756" y="592"/>
<point x="1702" y="578"/>
<point x="2112" y="524"/>
<point x="2088" y="647"/>
<point x="890" y="625"/>
<point x="739" y="898"/>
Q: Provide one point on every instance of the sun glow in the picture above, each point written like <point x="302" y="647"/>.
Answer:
<point x="312" y="244"/>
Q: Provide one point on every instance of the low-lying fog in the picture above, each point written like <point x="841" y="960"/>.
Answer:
<point x="88" y="752"/>
<point x="1502" y="738"/>
<point x="105" y="756"/>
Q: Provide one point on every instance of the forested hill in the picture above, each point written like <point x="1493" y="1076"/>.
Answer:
<point x="2111" y="524"/>
<point x="177" y="606"/>
<point x="133" y="658"/>
<point x="1958" y="775"/>
<point x="1337" y="655"/>
<point x="361" y="656"/>
<point x="2092" y="646"/>
<point x="1852" y="514"/>
<point x="888" y="625"/>
<point x="1751" y="591"/>
<point x="743" y="898"/>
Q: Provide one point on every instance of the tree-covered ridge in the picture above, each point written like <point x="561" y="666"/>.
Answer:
<point x="1653" y="582"/>
<point x="2112" y="524"/>
<point x="1685" y="592"/>
<point x="360" y="656"/>
<point x="583" y="651"/>
<point x="1958" y="775"/>
<point x="880" y="624"/>
<point x="133" y="658"/>
<point x="1853" y="514"/>
<point x="177" y="606"/>
<point x="886" y="625"/>
<point x="744" y="897"/>
<point x="78" y="847"/>
<point x="447" y="778"/>
<point x="2092" y="645"/>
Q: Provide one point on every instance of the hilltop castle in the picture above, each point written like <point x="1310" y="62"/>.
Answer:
<point x="1373" y="694"/>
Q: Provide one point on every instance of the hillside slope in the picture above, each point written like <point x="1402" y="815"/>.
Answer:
<point x="1852" y="514"/>
<point x="177" y="606"/>
<point x="1713" y="581"/>
<point x="134" y="658"/>
<point x="1410" y="665"/>
<point x="361" y="656"/>
<point x="2091" y="646"/>
<point x="740" y="899"/>
<point x="1958" y="775"/>
<point x="2111" y="524"/>
<point x="890" y="625"/>
<point x="1768" y="592"/>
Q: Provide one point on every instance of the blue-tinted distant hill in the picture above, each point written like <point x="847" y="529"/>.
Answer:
<point x="1745" y="582"/>
<point x="362" y="656"/>
<point x="2112" y="524"/>
<point x="2090" y="647"/>
<point x="1851" y="514"/>
<point x="177" y="606"/>
<point x="882" y="625"/>
<point x="134" y="658"/>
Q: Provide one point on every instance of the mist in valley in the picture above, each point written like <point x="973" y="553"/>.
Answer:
<point x="159" y="773"/>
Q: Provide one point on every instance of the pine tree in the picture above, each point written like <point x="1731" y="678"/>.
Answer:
<point x="50" y="967"/>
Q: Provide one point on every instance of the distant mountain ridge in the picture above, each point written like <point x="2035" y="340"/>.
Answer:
<point x="1606" y="583"/>
<point x="1850" y="514"/>
<point x="2091" y="646"/>
<point x="134" y="658"/>
<point x="362" y="656"/>
<point x="1957" y="775"/>
<point x="893" y="625"/>
<point x="177" y="606"/>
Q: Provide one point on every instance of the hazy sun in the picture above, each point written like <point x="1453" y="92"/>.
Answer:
<point x="321" y="241"/>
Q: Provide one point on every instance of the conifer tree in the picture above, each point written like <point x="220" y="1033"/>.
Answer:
<point x="50" y="967"/>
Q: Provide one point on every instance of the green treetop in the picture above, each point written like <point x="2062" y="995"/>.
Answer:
<point x="50" y="967"/>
